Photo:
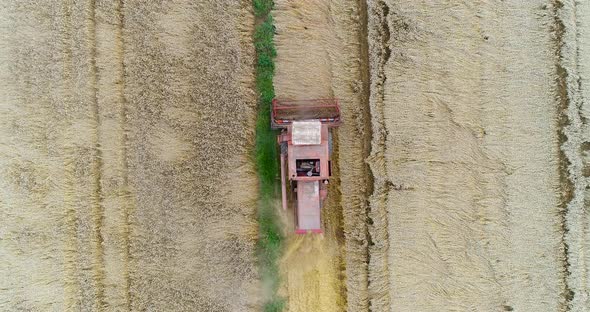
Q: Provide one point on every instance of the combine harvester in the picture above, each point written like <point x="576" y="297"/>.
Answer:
<point x="306" y="147"/>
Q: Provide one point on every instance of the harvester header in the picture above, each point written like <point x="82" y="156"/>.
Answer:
<point x="284" y="112"/>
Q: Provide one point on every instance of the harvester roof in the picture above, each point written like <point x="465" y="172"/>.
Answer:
<point x="308" y="132"/>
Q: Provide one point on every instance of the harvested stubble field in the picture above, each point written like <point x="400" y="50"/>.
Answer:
<point x="461" y="168"/>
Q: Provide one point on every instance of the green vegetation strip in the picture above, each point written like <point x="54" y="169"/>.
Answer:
<point x="270" y="239"/>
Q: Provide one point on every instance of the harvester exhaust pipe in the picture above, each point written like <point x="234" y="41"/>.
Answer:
<point x="283" y="182"/>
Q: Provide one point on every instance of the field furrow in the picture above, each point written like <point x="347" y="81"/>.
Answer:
<point x="115" y="197"/>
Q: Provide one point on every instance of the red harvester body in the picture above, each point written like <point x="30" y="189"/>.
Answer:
<point x="305" y="141"/>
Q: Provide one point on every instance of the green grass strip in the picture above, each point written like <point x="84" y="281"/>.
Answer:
<point x="270" y="237"/>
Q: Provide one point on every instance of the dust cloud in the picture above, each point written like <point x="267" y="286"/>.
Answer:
<point x="311" y="278"/>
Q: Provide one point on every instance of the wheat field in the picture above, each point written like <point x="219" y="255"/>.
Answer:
<point x="480" y="198"/>
<point x="122" y="188"/>
<point x="461" y="169"/>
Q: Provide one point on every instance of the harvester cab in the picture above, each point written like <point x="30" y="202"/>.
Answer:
<point x="306" y="148"/>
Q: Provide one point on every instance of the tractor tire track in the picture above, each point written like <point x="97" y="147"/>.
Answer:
<point x="116" y="200"/>
<point x="83" y="156"/>
<point x="97" y="168"/>
<point x="128" y="201"/>
<point x="71" y="300"/>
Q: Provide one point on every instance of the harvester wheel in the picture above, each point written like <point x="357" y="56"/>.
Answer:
<point x="284" y="148"/>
